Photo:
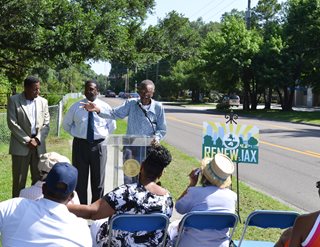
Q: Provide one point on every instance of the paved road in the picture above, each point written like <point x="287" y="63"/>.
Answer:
<point x="289" y="160"/>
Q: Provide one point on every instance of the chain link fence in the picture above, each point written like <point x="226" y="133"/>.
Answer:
<point x="56" y="112"/>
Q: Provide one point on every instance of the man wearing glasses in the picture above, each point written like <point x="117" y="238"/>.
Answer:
<point x="146" y="117"/>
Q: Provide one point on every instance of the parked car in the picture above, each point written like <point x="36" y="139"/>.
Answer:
<point x="110" y="93"/>
<point x="125" y="95"/>
<point x="231" y="100"/>
<point x="134" y="95"/>
<point x="120" y="94"/>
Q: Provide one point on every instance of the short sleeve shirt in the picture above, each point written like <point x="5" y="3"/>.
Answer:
<point x="135" y="199"/>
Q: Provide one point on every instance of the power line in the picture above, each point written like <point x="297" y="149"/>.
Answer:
<point x="206" y="5"/>
<point x="213" y="8"/>
<point x="219" y="11"/>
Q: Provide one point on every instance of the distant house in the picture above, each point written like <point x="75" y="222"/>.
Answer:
<point x="305" y="97"/>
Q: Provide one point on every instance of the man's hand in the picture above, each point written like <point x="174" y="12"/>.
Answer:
<point x="90" y="106"/>
<point x="33" y="143"/>
<point x="193" y="176"/>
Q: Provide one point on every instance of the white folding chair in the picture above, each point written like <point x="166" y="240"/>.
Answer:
<point x="266" y="219"/>
<point x="207" y="220"/>
<point x="139" y="222"/>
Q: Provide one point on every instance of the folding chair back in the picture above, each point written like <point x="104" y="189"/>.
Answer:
<point x="139" y="222"/>
<point x="267" y="219"/>
<point x="207" y="220"/>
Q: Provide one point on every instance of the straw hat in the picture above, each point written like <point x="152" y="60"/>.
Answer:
<point x="47" y="161"/>
<point x="217" y="170"/>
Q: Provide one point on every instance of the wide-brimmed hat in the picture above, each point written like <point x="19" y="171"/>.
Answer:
<point x="217" y="170"/>
<point x="47" y="160"/>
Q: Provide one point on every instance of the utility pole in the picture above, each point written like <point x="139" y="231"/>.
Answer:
<point x="246" y="100"/>
<point x="248" y="15"/>
<point x="157" y="73"/>
<point x="126" y="84"/>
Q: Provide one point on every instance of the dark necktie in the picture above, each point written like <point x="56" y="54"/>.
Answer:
<point x="90" y="130"/>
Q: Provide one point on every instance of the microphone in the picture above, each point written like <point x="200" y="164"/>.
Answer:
<point x="146" y="115"/>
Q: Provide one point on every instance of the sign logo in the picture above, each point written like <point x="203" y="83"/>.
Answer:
<point x="239" y="142"/>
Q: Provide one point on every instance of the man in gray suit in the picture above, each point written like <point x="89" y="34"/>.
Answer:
<point x="28" y="120"/>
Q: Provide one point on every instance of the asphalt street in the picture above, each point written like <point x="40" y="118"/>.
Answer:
<point x="289" y="154"/>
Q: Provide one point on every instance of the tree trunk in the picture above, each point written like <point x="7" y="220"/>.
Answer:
<point x="287" y="99"/>
<point x="267" y="102"/>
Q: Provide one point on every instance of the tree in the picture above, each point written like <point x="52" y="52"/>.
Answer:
<point x="229" y="55"/>
<point x="62" y="32"/>
<point x="301" y="54"/>
<point x="266" y="19"/>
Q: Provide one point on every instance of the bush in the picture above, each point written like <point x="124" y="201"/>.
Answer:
<point x="4" y="130"/>
<point x="222" y="106"/>
<point x="53" y="99"/>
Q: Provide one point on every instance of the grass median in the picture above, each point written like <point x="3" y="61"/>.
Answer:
<point x="174" y="179"/>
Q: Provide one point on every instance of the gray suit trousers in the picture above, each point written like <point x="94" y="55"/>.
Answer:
<point x="20" y="167"/>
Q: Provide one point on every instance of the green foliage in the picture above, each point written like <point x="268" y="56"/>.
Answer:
<point x="222" y="106"/>
<point x="4" y="130"/>
<point x="229" y="57"/>
<point x="53" y="99"/>
<point x="62" y="32"/>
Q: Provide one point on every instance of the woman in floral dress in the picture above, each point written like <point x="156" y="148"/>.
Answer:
<point x="143" y="197"/>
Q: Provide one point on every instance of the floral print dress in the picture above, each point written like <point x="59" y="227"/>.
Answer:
<point x="134" y="199"/>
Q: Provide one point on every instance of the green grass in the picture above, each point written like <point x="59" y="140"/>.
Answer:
<point x="174" y="179"/>
<point x="289" y="116"/>
<point x="273" y="114"/>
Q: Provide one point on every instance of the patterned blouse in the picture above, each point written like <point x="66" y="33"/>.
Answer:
<point x="134" y="199"/>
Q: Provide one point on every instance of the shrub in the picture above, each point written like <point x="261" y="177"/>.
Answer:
<point x="53" y="99"/>
<point x="222" y="106"/>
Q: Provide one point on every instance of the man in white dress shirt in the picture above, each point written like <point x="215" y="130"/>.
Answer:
<point x="47" y="221"/>
<point x="88" y="150"/>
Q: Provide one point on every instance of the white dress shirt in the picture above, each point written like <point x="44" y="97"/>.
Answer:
<point x="31" y="106"/>
<point x="42" y="223"/>
<point x="75" y="121"/>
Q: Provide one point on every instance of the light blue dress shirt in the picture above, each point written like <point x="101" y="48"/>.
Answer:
<point x="138" y="123"/>
<point x="75" y="121"/>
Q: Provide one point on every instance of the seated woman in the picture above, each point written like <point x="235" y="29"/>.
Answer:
<point x="305" y="231"/>
<point x="143" y="197"/>
<point x="213" y="195"/>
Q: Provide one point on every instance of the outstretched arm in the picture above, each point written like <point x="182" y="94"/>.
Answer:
<point x="90" y="106"/>
<point x="98" y="210"/>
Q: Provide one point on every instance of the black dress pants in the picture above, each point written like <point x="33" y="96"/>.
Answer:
<point x="89" y="156"/>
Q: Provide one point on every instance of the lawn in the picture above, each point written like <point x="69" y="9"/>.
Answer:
<point x="174" y="179"/>
<point x="290" y="116"/>
<point x="307" y="117"/>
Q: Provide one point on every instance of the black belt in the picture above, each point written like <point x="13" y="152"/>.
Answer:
<point x="93" y="142"/>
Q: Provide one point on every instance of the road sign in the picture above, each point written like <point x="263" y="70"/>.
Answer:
<point x="239" y="142"/>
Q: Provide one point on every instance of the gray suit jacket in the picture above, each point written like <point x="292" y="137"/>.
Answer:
<point x="20" y="125"/>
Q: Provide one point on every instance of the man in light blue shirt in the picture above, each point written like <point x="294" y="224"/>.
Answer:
<point x="145" y="117"/>
<point x="88" y="149"/>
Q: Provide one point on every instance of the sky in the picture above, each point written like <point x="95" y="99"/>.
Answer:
<point x="209" y="10"/>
